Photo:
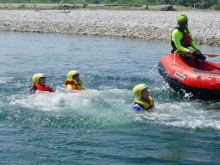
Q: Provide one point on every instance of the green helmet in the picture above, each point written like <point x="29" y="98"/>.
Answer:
<point x="138" y="89"/>
<point x="37" y="77"/>
<point x="182" y="18"/>
<point x="71" y="74"/>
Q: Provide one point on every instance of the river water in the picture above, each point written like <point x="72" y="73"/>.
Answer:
<point x="98" y="125"/>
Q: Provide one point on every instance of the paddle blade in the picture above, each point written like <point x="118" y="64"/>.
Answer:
<point x="211" y="55"/>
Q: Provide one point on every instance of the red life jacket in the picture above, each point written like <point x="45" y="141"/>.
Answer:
<point x="187" y="40"/>
<point x="43" y="88"/>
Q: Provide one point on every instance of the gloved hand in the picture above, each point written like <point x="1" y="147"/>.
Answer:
<point x="200" y="56"/>
<point x="198" y="52"/>
<point x="195" y="53"/>
<point x="192" y="52"/>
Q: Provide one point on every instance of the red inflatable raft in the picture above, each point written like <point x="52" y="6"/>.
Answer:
<point x="202" y="84"/>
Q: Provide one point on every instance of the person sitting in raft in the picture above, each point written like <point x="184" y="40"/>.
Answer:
<point x="39" y="81"/>
<point x="181" y="40"/>
<point x="144" y="100"/>
<point x="73" y="82"/>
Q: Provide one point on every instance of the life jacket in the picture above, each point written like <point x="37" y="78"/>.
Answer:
<point x="43" y="88"/>
<point x="186" y="41"/>
<point x="74" y="84"/>
<point x="146" y="105"/>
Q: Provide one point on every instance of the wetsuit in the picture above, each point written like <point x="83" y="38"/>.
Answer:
<point x="181" y="40"/>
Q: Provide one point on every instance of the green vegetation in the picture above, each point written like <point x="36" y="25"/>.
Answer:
<point x="187" y="3"/>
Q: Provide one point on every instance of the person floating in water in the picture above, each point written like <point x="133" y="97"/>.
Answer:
<point x="73" y="82"/>
<point x="39" y="81"/>
<point x="181" y="40"/>
<point x="144" y="100"/>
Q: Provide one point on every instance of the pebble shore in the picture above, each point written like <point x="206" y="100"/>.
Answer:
<point x="152" y="25"/>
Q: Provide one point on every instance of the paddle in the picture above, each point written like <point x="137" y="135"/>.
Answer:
<point x="211" y="55"/>
<point x="209" y="64"/>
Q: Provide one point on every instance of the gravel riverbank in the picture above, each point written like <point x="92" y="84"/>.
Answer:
<point x="156" y="25"/>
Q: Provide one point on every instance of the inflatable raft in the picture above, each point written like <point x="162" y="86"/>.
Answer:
<point x="202" y="84"/>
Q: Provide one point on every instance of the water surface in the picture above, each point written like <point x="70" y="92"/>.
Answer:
<point x="98" y="125"/>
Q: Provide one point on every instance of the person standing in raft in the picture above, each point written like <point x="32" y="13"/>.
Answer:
<point x="181" y="40"/>
<point x="73" y="82"/>
<point x="39" y="81"/>
<point x="144" y="100"/>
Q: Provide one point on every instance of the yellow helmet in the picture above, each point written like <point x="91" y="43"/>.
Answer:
<point x="37" y="77"/>
<point x="71" y="74"/>
<point x="182" y="18"/>
<point x="138" y="89"/>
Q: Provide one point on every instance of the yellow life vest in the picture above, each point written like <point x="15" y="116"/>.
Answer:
<point x="74" y="85"/>
<point x="146" y="105"/>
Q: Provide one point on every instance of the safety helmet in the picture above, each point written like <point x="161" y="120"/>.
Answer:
<point x="182" y="18"/>
<point x="37" y="77"/>
<point x="138" y="89"/>
<point x="71" y="74"/>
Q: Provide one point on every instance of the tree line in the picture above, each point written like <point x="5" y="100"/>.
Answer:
<point x="187" y="3"/>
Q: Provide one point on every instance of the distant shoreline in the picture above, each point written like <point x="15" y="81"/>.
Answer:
<point x="147" y="24"/>
<point x="86" y="6"/>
